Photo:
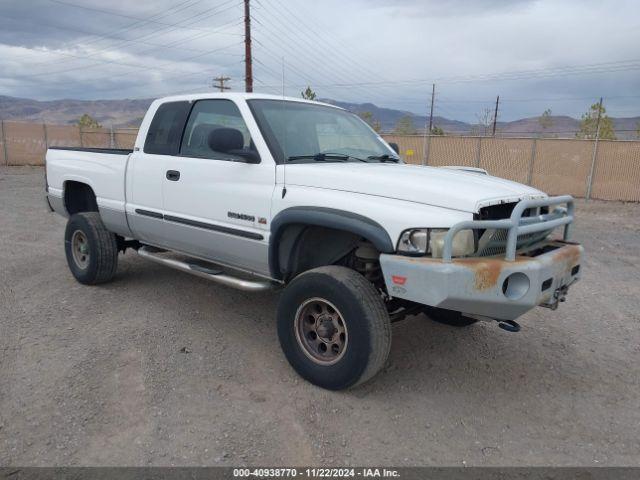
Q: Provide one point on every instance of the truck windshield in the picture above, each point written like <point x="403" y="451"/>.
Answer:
<point x="305" y="132"/>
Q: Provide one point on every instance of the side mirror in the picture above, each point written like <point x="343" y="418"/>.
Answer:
<point x="394" y="146"/>
<point x="249" y="156"/>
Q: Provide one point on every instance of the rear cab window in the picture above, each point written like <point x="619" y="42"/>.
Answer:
<point x="165" y="131"/>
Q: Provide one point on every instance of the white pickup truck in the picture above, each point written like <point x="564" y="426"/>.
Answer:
<point x="259" y="192"/>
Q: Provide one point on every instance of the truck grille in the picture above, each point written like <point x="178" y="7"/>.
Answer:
<point x="504" y="210"/>
<point x="494" y="242"/>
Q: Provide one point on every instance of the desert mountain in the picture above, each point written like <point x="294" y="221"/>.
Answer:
<point x="128" y="112"/>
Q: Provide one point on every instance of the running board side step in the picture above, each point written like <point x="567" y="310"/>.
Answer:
<point x="203" y="272"/>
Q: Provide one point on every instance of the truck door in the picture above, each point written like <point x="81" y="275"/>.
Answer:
<point x="217" y="203"/>
<point x="147" y="172"/>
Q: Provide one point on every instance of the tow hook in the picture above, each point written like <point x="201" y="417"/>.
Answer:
<point x="509" y="325"/>
<point x="559" y="295"/>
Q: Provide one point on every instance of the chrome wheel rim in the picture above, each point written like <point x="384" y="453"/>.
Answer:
<point x="80" y="249"/>
<point x="321" y="331"/>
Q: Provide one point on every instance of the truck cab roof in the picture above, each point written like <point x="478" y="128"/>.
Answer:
<point x="238" y="96"/>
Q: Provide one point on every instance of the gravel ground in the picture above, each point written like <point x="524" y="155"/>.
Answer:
<point x="162" y="368"/>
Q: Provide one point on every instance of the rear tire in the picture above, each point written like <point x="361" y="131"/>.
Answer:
<point x="333" y="327"/>
<point x="91" y="250"/>
<point x="449" y="317"/>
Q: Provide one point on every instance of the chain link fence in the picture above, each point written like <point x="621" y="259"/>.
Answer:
<point x="602" y="169"/>
<point x="26" y="143"/>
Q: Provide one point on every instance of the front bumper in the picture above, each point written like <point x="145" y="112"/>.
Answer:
<point x="489" y="286"/>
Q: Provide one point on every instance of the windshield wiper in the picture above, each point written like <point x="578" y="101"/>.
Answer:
<point x="384" y="158"/>
<point x="323" y="157"/>
<point x="319" y="157"/>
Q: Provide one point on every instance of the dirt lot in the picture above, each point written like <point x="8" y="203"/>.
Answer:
<point x="98" y="375"/>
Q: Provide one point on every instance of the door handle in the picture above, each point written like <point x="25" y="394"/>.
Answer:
<point x="173" y="175"/>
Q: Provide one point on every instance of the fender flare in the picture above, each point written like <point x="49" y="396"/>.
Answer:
<point x="325" y="217"/>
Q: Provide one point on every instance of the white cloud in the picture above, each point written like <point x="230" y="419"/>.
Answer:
<point x="328" y="43"/>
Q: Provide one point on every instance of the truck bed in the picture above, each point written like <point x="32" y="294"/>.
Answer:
<point x="102" y="169"/>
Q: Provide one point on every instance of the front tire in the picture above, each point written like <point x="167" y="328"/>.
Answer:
<point x="91" y="250"/>
<point x="333" y="327"/>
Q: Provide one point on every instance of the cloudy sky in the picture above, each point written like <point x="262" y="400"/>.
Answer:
<point x="536" y="55"/>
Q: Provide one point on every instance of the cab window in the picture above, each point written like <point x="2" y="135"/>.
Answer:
<point x="163" y="137"/>
<point x="216" y="130"/>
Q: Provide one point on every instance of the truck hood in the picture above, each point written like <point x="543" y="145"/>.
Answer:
<point x="441" y="187"/>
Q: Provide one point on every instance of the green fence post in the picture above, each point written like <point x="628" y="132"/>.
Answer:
<point x="46" y="141"/>
<point x="594" y="157"/>
<point x="531" y="160"/>
<point x="479" y="152"/>
<point x="4" y="144"/>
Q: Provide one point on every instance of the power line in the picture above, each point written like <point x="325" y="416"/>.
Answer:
<point x="321" y="70"/>
<point x="182" y="76"/>
<point x="132" y="65"/>
<point x="108" y="12"/>
<point x="287" y="29"/>
<point x="174" y="26"/>
<point x="161" y="67"/>
<point x="607" y="67"/>
<point x="273" y="55"/>
<point x="307" y="67"/>
<point x="102" y="62"/>
<point x="193" y="57"/>
<point x="337" y="48"/>
<point x="137" y="23"/>
<point x="544" y="99"/>
<point x="269" y="70"/>
<point x="105" y="36"/>
<point x="456" y="79"/>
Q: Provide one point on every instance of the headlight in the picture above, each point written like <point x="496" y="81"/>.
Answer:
<point x="414" y="242"/>
<point x="463" y="243"/>
<point x="431" y="241"/>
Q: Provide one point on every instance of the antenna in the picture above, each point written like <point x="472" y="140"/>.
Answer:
<point x="284" y="140"/>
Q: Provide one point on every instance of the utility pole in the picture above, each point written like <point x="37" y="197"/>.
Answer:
<point x="495" y="116"/>
<point x="248" y="74"/>
<point x="220" y="83"/>
<point x="427" y="133"/>
<point x="433" y="96"/>
<point x="595" y="151"/>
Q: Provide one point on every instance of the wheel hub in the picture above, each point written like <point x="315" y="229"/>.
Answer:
<point x="80" y="249"/>
<point x="326" y="329"/>
<point x="321" y="331"/>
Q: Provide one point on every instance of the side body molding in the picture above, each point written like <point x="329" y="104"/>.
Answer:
<point x="329" y="218"/>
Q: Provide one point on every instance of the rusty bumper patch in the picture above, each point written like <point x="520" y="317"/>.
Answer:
<point x="475" y="285"/>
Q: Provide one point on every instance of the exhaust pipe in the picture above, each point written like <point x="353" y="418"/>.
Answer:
<point x="506" y="325"/>
<point x="509" y="325"/>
